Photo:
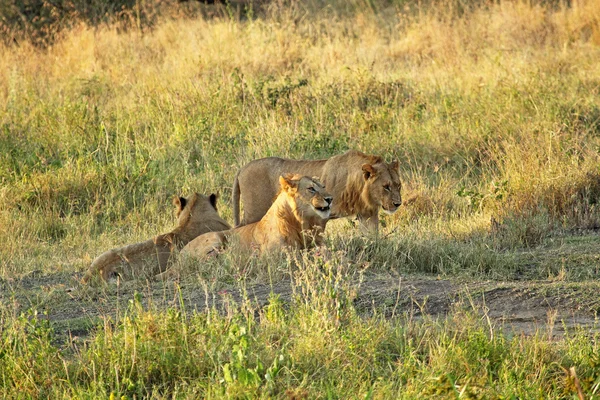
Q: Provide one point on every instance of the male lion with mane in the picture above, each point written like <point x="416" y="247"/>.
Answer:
<point x="296" y="219"/>
<point x="195" y="216"/>
<point x="359" y="183"/>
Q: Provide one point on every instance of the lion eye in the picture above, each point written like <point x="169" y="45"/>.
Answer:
<point x="387" y="188"/>
<point x="312" y="190"/>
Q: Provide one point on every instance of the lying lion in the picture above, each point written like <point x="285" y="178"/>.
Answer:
<point x="296" y="219"/>
<point x="360" y="184"/>
<point x="195" y="216"/>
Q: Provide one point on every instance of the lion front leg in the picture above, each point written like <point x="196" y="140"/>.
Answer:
<point x="369" y="224"/>
<point x="315" y="237"/>
<point x="104" y="265"/>
<point x="164" y="248"/>
<point x="170" y="274"/>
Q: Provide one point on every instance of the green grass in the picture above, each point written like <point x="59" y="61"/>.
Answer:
<point x="492" y="109"/>
<point x="315" y="347"/>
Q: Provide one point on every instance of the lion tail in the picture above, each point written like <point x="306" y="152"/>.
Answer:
<point x="235" y="197"/>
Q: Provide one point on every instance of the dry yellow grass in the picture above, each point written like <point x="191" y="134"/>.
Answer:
<point x="497" y="103"/>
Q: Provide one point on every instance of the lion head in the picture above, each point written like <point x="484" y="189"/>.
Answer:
<point x="310" y="197"/>
<point x="382" y="185"/>
<point x="197" y="215"/>
<point x="197" y="204"/>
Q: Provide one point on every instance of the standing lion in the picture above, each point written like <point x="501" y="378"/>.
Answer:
<point x="361" y="184"/>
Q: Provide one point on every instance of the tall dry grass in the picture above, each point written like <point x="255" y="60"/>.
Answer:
<point x="492" y="109"/>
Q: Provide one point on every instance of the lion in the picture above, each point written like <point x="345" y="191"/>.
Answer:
<point x="296" y="219"/>
<point x="195" y="216"/>
<point x="360" y="183"/>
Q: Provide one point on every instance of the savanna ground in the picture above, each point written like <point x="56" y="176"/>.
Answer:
<point x="484" y="285"/>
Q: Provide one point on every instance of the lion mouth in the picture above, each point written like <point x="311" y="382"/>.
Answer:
<point x="323" y="211"/>
<point x="390" y="210"/>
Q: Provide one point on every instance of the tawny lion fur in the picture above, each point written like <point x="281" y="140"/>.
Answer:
<point x="361" y="184"/>
<point x="296" y="219"/>
<point x="195" y="216"/>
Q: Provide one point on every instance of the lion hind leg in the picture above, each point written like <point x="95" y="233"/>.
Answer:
<point x="205" y="244"/>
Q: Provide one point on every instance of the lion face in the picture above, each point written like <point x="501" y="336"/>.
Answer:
<point x="196" y="207"/>
<point x="383" y="185"/>
<point x="310" y="195"/>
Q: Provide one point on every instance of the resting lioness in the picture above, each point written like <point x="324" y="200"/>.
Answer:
<point x="195" y="216"/>
<point x="360" y="184"/>
<point x="296" y="219"/>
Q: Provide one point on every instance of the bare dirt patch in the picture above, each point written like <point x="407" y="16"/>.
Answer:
<point x="519" y="307"/>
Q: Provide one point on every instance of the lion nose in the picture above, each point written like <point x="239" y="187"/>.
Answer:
<point x="329" y="200"/>
<point x="397" y="204"/>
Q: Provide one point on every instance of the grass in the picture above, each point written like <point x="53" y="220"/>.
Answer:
<point x="318" y="347"/>
<point x="492" y="109"/>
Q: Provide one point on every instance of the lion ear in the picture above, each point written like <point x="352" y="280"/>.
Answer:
<point x="395" y="165"/>
<point x="368" y="171"/>
<point x="180" y="203"/>
<point x="213" y="199"/>
<point x="287" y="182"/>
<point x="316" y="179"/>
